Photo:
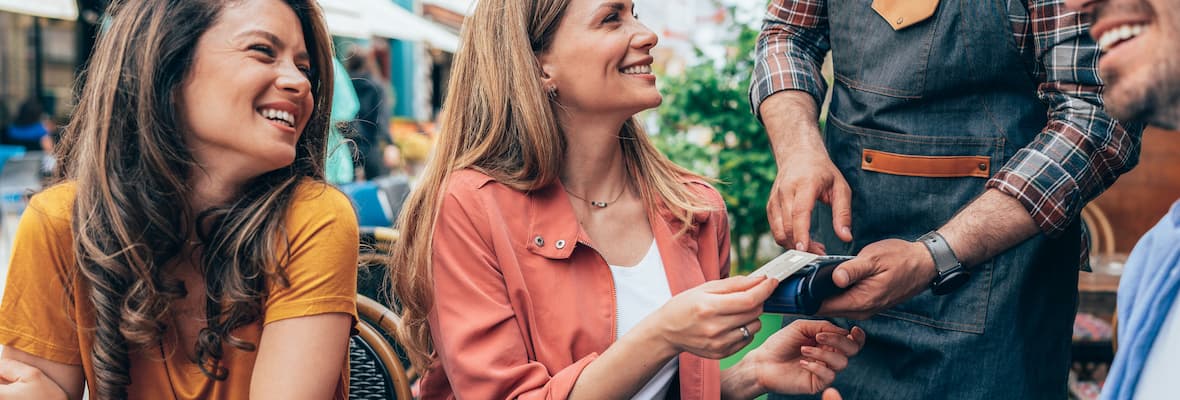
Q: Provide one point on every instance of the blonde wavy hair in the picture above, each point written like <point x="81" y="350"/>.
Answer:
<point x="498" y="120"/>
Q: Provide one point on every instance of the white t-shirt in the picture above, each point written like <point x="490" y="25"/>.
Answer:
<point x="639" y="291"/>
<point x="1158" y="379"/>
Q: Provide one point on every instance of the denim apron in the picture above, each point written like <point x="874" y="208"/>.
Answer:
<point x="952" y="86"/>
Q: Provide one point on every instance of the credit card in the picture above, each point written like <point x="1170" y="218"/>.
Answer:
<point x="785" y="264"/>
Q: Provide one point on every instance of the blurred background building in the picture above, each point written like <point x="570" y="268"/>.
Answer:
<point x="44" y="43"/>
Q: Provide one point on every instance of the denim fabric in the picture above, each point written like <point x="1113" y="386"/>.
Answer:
<point x="953" y="85"/>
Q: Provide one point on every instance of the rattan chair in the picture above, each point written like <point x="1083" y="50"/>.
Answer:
<point x="376" y="369"/>
<point x="1101" y="232"/>
<point x="376" y="243"/>
<point x="1102" y="241"/>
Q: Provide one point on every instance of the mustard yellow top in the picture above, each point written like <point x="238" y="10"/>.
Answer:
<point x="34" y="316"/>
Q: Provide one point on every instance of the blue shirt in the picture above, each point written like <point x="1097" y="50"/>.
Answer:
<point x="27" y="133"/>
<point x="1147" y="291"/>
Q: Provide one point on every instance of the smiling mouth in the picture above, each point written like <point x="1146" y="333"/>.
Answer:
<point x="637" y="70"/>
<point x="1116" y="36"/>
<point x="279" y="116"/>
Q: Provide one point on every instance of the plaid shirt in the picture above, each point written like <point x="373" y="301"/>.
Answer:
<point x="1079" y="153"/>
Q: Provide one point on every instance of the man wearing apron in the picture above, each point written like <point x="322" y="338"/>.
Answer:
<point x="962" y="141"/>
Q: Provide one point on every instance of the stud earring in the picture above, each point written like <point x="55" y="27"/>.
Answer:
<point x="552" y="92"/>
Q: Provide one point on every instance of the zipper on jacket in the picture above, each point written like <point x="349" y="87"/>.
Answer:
<point x="614" y="294"/>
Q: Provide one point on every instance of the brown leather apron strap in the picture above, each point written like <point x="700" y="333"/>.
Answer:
<point x="925" y="166"/>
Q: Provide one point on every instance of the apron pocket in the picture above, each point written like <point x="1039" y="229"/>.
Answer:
<point x="870" y="56"/>
<point x="964" y="310"/>
<point x="905" y="185"/>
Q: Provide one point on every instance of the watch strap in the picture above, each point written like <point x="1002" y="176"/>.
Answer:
<point x="944" y="257"/>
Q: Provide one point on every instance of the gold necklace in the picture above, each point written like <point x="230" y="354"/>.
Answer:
<point x="599" y="204"/>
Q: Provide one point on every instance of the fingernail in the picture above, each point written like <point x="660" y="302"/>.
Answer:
<point x="803" y="363"/>
<point x="846" y="231"/>
<point x="842" y="276"/>
<point x="799" y="246"/>
<point x="808" y="350"/>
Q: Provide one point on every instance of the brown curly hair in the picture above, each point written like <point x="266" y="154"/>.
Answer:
<point x="125" y="151"/>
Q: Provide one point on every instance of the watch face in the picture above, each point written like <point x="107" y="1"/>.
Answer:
<point x="947" y="282"/>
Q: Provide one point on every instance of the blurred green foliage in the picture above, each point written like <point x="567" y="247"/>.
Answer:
<point x="710" y="99"/>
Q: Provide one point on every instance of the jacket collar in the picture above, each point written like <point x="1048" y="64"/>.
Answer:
<point x="554" y="231"/>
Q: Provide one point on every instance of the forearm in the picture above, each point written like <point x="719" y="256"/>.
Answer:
<point x="740" y="382"/>
<point x="69" y="378"/>
<point x="1081" y="150"/>
<point x="988" y="226"/>
<point x="627" y="365"/>
<point x="791" y="118"/>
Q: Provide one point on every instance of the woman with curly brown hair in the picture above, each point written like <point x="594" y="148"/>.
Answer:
<point x="192" y="249"/>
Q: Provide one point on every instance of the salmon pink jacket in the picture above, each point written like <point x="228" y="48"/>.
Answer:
<point x="523" y="301"/>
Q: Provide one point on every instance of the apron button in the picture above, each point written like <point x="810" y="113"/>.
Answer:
<point x="869" y="159"/>
<point x="982" y="167"/>
<point x="539" y="241"/>
<point x="900" y="20"/>
<point x="560" y="244"/>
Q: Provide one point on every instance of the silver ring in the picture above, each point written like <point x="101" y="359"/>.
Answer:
<point x="745" y="332"/>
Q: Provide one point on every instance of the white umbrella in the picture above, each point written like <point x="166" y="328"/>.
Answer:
<point x="460" y="6"/>
<point x="387" y="20"/>
<point x="60" y="9"/>
<point x="345" y="18"/>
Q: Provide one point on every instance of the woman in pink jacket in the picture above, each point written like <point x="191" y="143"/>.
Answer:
<point x="552" y="252"/>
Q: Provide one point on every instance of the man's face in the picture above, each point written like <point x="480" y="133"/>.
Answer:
<point x="1140" y="61"/>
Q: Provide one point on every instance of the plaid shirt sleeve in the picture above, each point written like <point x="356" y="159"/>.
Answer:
<point x="791" y="50"/>
<point x="1081" y="150"/>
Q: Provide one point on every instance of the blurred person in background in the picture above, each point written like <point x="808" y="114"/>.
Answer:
<point x="370" y="128"/>
<point x="962" y="141"/>
<point x="4" y="121"/>
<point x="395" y="183"/>
<point x="28" y="126"/>
<point x="550" y="251"/>
<point x="57" y="127"/>
<point x="338" y="167"/>
<point x="192" y="248"/>
<point x="1140" y="42"/>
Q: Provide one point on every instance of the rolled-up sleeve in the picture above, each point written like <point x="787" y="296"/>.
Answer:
<point x="474" y="328"/>
<point x="1082" y="150"/>
<point x="790" y="51"/>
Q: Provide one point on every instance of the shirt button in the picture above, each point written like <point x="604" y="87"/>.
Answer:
<point x="539" y="241"/>
<point x="560" y="244"/>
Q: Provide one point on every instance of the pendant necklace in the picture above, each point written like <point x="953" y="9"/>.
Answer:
<point x="599" y="204"/>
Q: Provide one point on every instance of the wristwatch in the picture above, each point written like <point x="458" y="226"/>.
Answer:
<point x="951" y="273"/>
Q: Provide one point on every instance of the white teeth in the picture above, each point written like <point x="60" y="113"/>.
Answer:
<point x="278" y="115"/>
<point x="1118" y="35"/>
<point x="638" y="69"/>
